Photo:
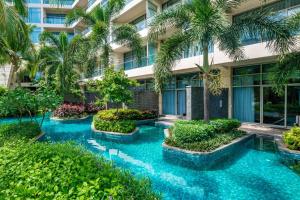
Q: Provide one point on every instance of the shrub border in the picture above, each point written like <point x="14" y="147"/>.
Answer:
<point x="116" y="136"/>
<point x="204" y="160"/>
<point x="286" y="152"/>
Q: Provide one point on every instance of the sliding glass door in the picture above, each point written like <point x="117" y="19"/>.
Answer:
<point x="293" y="104"/>
<point x="273" y="107"/>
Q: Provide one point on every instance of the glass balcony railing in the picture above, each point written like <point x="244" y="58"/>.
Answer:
<point x="55" y="2"/>
<point x="85" y="31"/>
<point x="90" y="3"/>
<point x="132" y="64"/>
<point x="54" y="20"/>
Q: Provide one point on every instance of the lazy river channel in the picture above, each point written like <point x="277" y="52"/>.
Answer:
<point x="253" y="175"/>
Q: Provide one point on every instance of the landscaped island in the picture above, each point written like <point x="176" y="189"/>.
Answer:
<point x="203" y="137"/>
<point x="200" y="144"/>
<point x="289" y="148"/>
<point x="122" y="121"/>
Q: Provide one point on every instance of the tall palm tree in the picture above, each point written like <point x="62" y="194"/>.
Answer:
<point x="99" y="19"/>
<point x="14" y="38"/>
<point x="58" y="64"/>
<point x="207" y="21"/>
<point x="13" y="46"/>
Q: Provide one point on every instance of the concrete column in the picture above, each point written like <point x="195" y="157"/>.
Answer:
<point x="160" y="104"/>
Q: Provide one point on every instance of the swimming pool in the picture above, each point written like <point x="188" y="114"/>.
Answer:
<point x="254" y="175"/>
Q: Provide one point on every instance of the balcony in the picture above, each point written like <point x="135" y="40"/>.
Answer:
<point x="54" y="20"/>
<point x="132" y="64"/>
<point x="53" y="2"/>
<point x="86" y="31"/>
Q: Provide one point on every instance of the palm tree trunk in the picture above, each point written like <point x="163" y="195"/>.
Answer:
<point x="205" y="82"/>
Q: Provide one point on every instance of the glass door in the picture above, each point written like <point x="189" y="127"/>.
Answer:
<point x="293" y="104"/>
<point x="273" y="107"/>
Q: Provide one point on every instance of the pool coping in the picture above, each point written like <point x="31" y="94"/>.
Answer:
<point x="116" y="136"/>
<point x="68" y="119"/>
<point x="286" y="152"/>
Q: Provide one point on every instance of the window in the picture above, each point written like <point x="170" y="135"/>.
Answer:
<point x="35" y="35"/>
<point x="34" y="1"/>
<point x="34" y="15"/>
<point x="281" y="8"/>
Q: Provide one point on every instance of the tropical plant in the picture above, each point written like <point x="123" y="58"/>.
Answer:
<point x="18" y="102"/>
<point x="58" y="62"/>
<point x="207" y="21"/>
<point x="99" y="19"/>
<point x="114" y="87"/>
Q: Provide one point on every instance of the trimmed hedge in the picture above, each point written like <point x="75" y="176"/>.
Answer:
<point x="64" y="171"/>
<point x="202" y="136"/>
<point x="121" y="121"/>
<point x="292" y="138"/>
<point x="21" y="131"/>
<point x="208" y="144"/>
<point x="120" y="126"/>
<point x="125" y="114"/>
<point x="196" y="131"/>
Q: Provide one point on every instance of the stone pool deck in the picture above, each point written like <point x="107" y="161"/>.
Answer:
<point x="263" y="130"/>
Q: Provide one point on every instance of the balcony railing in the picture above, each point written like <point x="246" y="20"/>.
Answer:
<point x="90" y="3"/>
<point x="85" y="31"/>
<point x="54" y="20"/>
<point x="143" y="24"/>
<point x="132" y="64"/>
<point x="54" y="2"/>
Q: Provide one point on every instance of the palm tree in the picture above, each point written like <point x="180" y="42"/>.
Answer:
<point x="12" y="48"/>
<point x="58" y="61"/>
<point x="288" y="65"/>
<point x="14" y="38"/>
<point x="207" y="21"/>
<point x="102" y="27"/>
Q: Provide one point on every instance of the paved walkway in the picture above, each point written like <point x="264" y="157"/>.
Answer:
<point x="249" y="127"/>
<point x="262" y="129"/>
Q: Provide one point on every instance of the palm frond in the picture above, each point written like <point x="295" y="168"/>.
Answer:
<point x="170" y="50"/>
<point x="177" y="18"/>
<point x="264" y="24"/>
<point x="127" y="34"/>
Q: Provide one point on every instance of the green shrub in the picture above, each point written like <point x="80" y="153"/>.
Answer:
<point x="24" y="131"/>
<point x="64" y="171"/>
<point x="292" y="138"/>
<point x="187" y="133"/>
<point x="200" y="135"/>
<point x="120" y="126"/>
<point x="125" y="114"/>
<point x="196" y="122"/>
<point x="225" y="125"/>
<point x="208" y="144"/>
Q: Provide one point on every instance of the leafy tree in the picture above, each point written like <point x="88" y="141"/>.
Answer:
<point x="207" y="21"/>
<point x="46" y="99"/>
<point x="18" y="102"/>
<point x="114" y="87"/>
<point x="99" y="19"/>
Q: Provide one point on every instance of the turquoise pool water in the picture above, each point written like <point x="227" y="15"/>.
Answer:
<point x="254" y="175"/>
